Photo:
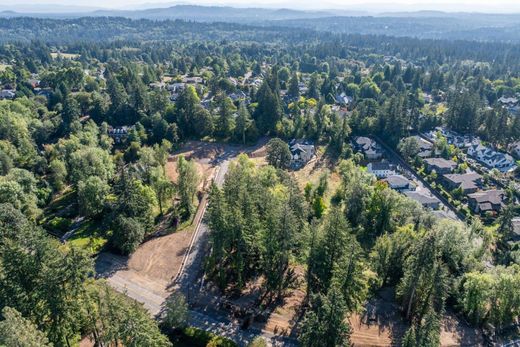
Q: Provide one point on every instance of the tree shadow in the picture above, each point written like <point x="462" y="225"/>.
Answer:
<point x="108" y="264"/>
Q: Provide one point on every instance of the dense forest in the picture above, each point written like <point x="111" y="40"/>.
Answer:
<point x="94" y="109"/>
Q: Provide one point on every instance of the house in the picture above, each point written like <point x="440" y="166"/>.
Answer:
<point x="238" y="95"/>
<point x="46" y="92"/>
<point x="7" y="94"/>
<point x="423" y="199"/>
<point x="193" y="80"/>
<point x="440" y="165"/>
<point x="119" y="134"/>
<point x="370" y="148"/>
<point x="343" y="99"/>
<point x="157" y="85"/>
<point x="508" y="102"/>
<point x="468" y="182"/>
<point x="399" y="183"/>
<point x="302" y="152"/>
<point x="491" y="158"/>
<point x="381" y="169"/>
<point x="486" y="201"/>
<point x="425" y="147"/>
<point x="176" y="87"/>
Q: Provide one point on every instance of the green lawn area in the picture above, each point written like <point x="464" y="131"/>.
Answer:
<point x="59" y="218"/>
<point x="89" y="236"/>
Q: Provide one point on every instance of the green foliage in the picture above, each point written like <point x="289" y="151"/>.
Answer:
<point x="278" y="153"/>
<point x="200" y="338"/>
<point x="176" y="311"/>
<point x="324" y="324"/>
<point x="17" y="331"/>
<point x="92" y="194"/>
<point x="187" y="183"/>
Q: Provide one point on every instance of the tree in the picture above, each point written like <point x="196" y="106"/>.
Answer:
<point x="294" y="88"/>
<point x="164" y="189"/>
<point x="278" y="153"/>
<point x="125" y="322"/>
<point x="187" y="183"/>
<point x="17" y="331"/>
<point x="90" y="161"/>
<point x="225" y="122"/>
<point x="244" y="123"/>
<point x="176" y="311"/>
<point x="92" y="194"/>
<point x="127" y="234"/>
<point x="257" y="342"/>
<point x="268" y="112"/>
<point x="313" y="91"/>
<point x="58" y="174"/>
<point x="324" y="322"/>
<point x="409" y="147"/>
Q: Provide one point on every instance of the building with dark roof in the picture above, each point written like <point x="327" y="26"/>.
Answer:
<point x="468" y="182"/>
<point x="440" y="165"/>
<point x="486" y="201"/>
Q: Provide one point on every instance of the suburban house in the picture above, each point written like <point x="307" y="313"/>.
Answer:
<point x="486" y="201"/>
<point x="423" y="199"/>
<point x="238" y="95"/>
<point x="491" y="158"/>
<point x="399" y="183"/>
<point x="119" y="134"/>
<point x="370" y="148"/>
<point x="7" y="94"/>
<point x="468" y="182"/>
<point x="440" y="165"/>
<point x="193" y="80"/>
<point x="426" y="147"/>
<point x="381" y="169"/>
<point x="302" y="152"/>
<point x="452" y="138"/>
<point x="508" y="102"/>
<point x="343" y="99"/>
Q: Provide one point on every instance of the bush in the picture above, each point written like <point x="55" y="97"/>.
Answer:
<point x="200" y="338"/>
<point x="59" y="224"/>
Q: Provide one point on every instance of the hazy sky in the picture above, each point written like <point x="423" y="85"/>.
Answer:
<point x="500" y="6"/>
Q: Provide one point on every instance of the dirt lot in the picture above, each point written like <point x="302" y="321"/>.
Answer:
<point x="148" y="272"/>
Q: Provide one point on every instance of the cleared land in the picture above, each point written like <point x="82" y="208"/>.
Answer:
<point x="148" y="273"/>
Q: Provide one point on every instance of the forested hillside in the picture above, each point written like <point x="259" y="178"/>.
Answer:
<point x="240" y="180"/>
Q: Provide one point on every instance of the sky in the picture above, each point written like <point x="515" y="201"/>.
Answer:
<point x="496" y="6"/>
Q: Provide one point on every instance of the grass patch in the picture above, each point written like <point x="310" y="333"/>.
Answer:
<point x="89" y="236"/>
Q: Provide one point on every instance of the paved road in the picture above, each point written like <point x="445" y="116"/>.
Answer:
<point x="204" y="312"/>
<point x="422" y="185"/>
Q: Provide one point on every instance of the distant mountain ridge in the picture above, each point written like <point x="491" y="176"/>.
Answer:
<point x="420" y="24"/>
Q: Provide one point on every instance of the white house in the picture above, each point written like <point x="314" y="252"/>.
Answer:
<point x="301" y="152"/>
<point x="7" y="94"/>
<point x="381" y="169"/>
<point x="493" y="159"/>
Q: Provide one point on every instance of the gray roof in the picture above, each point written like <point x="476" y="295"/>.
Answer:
<point x="466" y="181"/>
<point x="441" y="163"/>
<point x="493" y="196"/>
<point x="422" y="198"/>
<point x="397" y="180"/>
<point x="381" y="165"/>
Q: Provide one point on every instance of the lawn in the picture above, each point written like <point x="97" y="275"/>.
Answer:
<point x="89" y="236"/>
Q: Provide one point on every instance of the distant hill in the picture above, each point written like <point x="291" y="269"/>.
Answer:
<point x="421" y="24"/>
<point x="187" y="12"/>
